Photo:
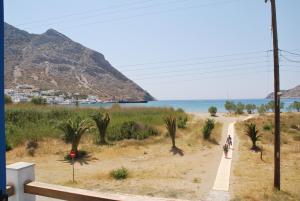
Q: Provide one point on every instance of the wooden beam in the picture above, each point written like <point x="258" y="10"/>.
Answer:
<point x="73" y="194"/>
<point x="10" y="190"/>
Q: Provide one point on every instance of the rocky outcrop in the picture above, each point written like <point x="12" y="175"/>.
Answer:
<point x="290" y="93"/>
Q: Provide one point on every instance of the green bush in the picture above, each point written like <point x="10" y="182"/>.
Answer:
<point x="267" y="127"/>
<point x="230" y="106"/>
<point x="180" y="110"/>
<point x="7" y="99"/>
<point x="38" y="101"/>
<point x="250" y="108"/>
<point x="212" y="110"/>
<point x="207" y="128"/>
<point x="120" y="173"/>
<point x="295" y="106"/>
<point x="271" y="106"/>
<point x="240" y="107"/>
<point x="130" y="130"/>
<point x="8" y="145"/>
<point x="182" y="121"/>
<point x="262" y="109"/>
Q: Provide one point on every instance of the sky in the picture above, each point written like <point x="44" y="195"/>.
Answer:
<point x="178" y="49"/>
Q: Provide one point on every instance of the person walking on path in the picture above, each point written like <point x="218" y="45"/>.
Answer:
<point x="225" y="149"/>
<point x="229" y="140"/>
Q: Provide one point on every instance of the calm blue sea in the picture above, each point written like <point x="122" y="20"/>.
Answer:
<point x="192" y="105"/>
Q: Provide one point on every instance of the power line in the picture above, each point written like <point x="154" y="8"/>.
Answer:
<point x="290" y="52"/>
<point x="110" y="12"/>
<point x="239" y="67"/>
<point x="83" y="13"/>
<point x="151" y="13"/>
<point x="232" y="74"/>
<point x="195" y="58"/>
<point x="207" y="67"/>
<point x="290" y="60"/>
<point x="183" y="73"/>
<point x="188" y="64"/>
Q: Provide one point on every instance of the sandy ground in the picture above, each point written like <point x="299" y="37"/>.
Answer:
<point x="252" y="178"/>
<point x="153" y="169"/>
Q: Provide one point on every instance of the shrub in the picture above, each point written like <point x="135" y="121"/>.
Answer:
<point x="250" y="108"/>
<point x="271" y="106"/>
<point x="32" y="144"/>
<point x="73" y="130"/>
<point x="7" y="99"/>
<point x="102" y="122"/>
<point x="180" y="110"/>
<point x="239" y="108"/>
<point x="295" y="106"/>
<point x="8" y="145"/>
<point x="262" y="109"/>
<point x="230" y="106"/>
<point x="119" y="174"/>
<point x="130" y="130"/>
<point x="252" y="133"/>
<point x="38" y="101"/>
<point x="31" y="151"/>
<point x="212" y="110"/>
<point x="267" y="127"/>
<point x="207" y="128"/>
<point x="170" y="122"/>
<point x="182" y="121"/>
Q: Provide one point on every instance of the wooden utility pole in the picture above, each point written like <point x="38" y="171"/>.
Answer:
<point x="276" y="99"/>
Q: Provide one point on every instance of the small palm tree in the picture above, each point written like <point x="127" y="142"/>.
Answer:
<point x="73" y="130"/>
<point x="102" y="122"/>
<point x="252" y="132"/>
<point x="170" y="122"/>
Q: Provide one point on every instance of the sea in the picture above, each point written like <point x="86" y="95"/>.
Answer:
<point x="194" y="105"/>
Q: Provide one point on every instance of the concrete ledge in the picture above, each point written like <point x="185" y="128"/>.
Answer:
<point x="74" y="194"/>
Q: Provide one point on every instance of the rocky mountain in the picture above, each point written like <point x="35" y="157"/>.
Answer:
<point x="290" y="93"/>
<point x="53" y="61"/>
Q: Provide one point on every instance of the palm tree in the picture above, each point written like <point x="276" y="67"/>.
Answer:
<point x="73" y="130"/>
<point x="252" y="132"/>
<point x="170" y="122"/>
<point x="102" y="122"/>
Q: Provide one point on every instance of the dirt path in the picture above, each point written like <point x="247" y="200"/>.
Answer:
<point x="220" y="190"/>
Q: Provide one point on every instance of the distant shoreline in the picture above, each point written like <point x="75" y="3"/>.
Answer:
<point x="191" y="105"/>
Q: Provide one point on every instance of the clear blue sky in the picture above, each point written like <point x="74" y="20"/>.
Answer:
<point x="171" y="47"/>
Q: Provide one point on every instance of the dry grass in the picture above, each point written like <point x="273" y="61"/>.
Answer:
<point x="253" y="178"/>
<point x="153" y="169"/>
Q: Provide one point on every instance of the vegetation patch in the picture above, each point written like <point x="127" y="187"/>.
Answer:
<point x="27" y="121"/>
<point x="251" y="174"/>
<point x="209" y="125"/>
<point x="119" y="174"/>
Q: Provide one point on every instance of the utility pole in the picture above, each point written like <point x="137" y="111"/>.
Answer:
<point x="276" y="99"/>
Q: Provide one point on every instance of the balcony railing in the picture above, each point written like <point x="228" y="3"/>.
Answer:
<point x="24" y="188"/>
